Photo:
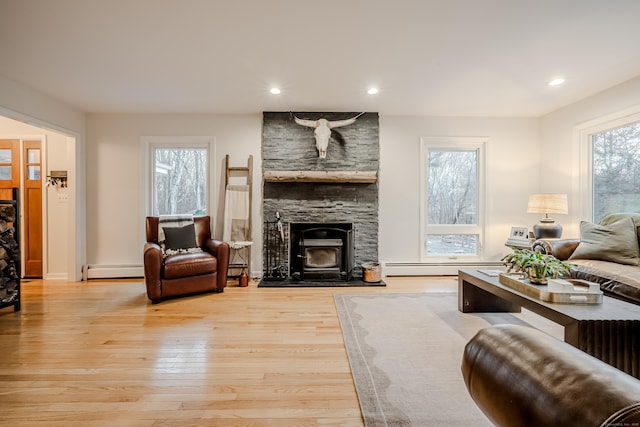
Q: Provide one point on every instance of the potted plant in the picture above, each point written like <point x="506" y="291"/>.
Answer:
<point x="536" y="266"/>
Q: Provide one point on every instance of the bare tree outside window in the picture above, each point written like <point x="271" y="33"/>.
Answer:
<point x="452" y="200"/>
<point x="180" y="180"/>
<point x="453" y="187"/>
<point x="616" y="171"/>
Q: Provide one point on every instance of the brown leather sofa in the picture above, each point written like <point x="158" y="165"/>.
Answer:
<point x="185" y="273"/>
<point x="519" y="376"/>
<point x="616" y="279"/>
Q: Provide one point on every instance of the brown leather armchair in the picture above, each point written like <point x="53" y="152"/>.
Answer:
<point x="185" y="273"/>
<point x="520" y="376"/>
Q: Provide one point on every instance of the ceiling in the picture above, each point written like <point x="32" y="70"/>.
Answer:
<point x="427" y="57"/>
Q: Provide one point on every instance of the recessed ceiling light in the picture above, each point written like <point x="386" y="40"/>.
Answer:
<point x="557" y="81"/>
<point x="275" y="91"/>
<point x="372" y="91"/>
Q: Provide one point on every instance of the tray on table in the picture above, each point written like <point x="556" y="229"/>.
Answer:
<point x="565" y="291"/>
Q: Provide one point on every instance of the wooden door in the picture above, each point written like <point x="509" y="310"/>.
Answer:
<point x="32" y="208"/>
<point x="9" y="167"/>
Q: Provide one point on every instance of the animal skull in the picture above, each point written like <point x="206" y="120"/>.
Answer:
<point x="322" y="130"/>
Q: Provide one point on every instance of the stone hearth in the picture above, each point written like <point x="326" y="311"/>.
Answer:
<point x="287" y="146"/>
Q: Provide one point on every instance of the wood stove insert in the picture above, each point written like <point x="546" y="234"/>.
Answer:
<point x="321" y="251"/>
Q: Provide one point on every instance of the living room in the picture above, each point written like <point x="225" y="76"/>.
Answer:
<point x="533" y="137"/>
<point x="516" y="162"/>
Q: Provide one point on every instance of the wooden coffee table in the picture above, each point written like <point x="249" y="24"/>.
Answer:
<point x="609" y="331"/>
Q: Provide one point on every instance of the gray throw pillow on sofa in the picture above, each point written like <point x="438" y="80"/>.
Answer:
<point x="617" y="216"/>
<point x="615" y="242"/>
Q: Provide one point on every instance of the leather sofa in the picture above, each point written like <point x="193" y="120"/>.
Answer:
<point x="519" y="376"/>
<point x="617" y="278"/>
<point x="185" y="273"/>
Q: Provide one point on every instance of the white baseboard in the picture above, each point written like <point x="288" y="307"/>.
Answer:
<point x="56" y="276"/>
<point x="99" y="271"/>
<point x="431" y="269"/>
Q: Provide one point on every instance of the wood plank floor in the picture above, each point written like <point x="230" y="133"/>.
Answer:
<point x="97" y="353"/>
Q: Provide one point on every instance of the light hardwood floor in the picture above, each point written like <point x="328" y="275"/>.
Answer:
<point x="97" y="353"/>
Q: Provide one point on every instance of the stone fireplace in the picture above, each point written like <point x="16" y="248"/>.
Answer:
<point x="338" y="193"/>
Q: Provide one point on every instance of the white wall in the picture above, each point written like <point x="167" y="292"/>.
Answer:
<point x="115" y="217"/>
<point x="512" y="174"/>
<point x="114" y="210"/>
<point x="30" y="104"/>
<point x="560" y="163"/>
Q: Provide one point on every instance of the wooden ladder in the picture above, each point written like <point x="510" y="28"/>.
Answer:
<point x="246" y="172"/>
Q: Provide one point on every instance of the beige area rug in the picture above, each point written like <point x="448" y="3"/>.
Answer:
<point x="405" y="352"/>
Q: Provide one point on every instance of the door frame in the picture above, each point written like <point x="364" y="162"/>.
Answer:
<point x="76" y="220"/>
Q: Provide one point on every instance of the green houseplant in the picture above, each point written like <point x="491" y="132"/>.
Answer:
<point x="536" y="266"/>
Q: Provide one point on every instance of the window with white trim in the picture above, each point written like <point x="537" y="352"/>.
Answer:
<point x="452" y="191"/>
<point x="611" y="163"/>
<point x="177" y="175"/>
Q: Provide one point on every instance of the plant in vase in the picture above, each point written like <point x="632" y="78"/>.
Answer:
<point x="536" y="266"/>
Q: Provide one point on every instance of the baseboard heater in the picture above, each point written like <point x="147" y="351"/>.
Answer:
<point x="433" y="268"/>
<point x="102" y="271"/>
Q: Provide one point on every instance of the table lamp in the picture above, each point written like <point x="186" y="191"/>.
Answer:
<point x="547" y="204"/>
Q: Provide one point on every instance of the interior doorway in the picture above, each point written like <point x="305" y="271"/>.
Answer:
<point x="62" y="201"/>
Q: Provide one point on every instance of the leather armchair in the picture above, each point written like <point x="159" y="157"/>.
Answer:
<point x="519" y="376"/>
<point x="185" y="273"/>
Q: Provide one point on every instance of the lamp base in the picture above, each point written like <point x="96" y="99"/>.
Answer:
<point x="547" y="230"/>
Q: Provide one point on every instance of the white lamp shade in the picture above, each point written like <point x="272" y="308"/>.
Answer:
<point x="548" y="203"/>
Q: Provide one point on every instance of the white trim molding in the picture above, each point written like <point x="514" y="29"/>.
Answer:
<point x="480" y="146"/>
<point x="433" y="268"/>
<point x="584" y="132"/>
<point x="104" y="271"/>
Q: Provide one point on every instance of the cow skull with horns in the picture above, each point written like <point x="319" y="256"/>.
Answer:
<point x="322" y="130"/>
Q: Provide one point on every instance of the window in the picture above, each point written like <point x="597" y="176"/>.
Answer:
<point x="5" y="164"/>
<point x="616" y="170"/>
<point x="177" y="175"/>
<point x="611" y="167"/>
<point x="451" y="190"/>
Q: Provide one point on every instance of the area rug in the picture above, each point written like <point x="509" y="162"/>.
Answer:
<point x="405" y="352"/>
<point x="288" y="283"/>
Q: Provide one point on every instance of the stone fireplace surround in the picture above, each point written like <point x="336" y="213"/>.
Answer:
<point x="353" y="150"/>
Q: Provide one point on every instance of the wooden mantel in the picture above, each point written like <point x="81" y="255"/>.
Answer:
<point x="358" y="177"/>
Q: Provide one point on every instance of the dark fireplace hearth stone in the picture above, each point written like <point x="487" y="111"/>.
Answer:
<point x="290" y="283"/>
<point x="289" y="146"/>
<point x="363" y="216"/>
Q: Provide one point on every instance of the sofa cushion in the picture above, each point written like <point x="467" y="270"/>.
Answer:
<point x="616" y="216"/>
<point x="615" y="242"/>
<point x="187" y="265"/>
<point x="617" y="280"/>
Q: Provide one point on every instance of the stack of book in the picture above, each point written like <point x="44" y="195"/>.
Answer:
<point x="519" y="242"/>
